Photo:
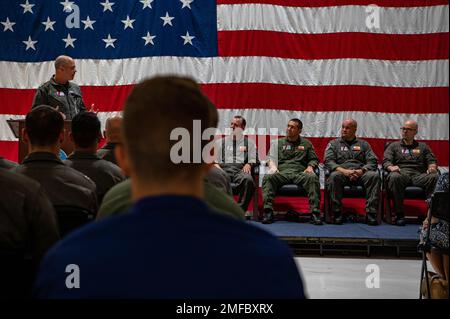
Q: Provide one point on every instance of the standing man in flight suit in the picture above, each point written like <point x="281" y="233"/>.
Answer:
<point x="292" y="160"/>
<point x="59" y="92"/>
<point x="350" y="159"/>
<point x="237" y="156"/>
<point x="409" y="163"/>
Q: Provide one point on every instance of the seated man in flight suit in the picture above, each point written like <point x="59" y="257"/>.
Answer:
<point x="292" y="160"/>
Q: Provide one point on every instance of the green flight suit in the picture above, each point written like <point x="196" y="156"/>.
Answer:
<point x="356" y="154"/>
<point x="292" y="158"/>
<point x="67" y="98"/>
<point x="413" y="161"/>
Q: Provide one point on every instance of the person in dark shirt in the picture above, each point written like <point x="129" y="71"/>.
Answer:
<point x="349" y="160"/>
<point x="65" y="186"/>
<point x="438" y="235"/>
<point x="410" y="163"/>
<point x="59" y="92"/>
<point x="28" y="227"/>
<point x="131" y="255"/>
<point x="85" y="135"/>
<point x="112" y="134"/>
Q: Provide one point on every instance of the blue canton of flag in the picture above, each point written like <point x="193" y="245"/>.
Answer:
<point x="40" y="30"/>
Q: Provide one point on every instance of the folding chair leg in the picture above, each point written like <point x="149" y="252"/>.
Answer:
<point x="255" y="205"/>
<point x="388" y="208"/>
<point x="380" y="208"/>
<point x="424" y="272"/>
<point x="326" y="206"/>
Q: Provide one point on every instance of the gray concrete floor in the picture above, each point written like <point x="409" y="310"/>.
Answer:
<point x="343" y="278"/>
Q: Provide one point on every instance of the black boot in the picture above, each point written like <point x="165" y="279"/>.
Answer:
<point x="400" y="219"/>
<point x="315" y="218"/>
<point x="268" y="216"/>
<point x="337" y="217"/>
<point x="372" y="219"/>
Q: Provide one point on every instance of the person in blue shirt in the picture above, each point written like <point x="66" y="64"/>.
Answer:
<point x="171" y="245"/>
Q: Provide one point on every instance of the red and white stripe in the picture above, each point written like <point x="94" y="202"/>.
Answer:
<point x="312" y="59"/>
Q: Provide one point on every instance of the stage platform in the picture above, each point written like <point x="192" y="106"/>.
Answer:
<point x="347" y="239"/>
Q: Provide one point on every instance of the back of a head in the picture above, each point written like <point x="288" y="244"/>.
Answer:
<point x="152" y="111"/>
<point x="44" y="124"/>
<point x="113" y="129"/>
<point x="85" y="129"/>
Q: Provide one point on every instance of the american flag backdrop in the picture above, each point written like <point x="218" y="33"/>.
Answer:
<point x="267" y="60"/>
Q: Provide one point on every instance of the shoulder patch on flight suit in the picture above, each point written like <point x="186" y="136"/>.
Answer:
<point x="416" y="151"/>
<point x="301" y="147"/>
<point x="356" y="148"/>
<point x="344" y="148"/>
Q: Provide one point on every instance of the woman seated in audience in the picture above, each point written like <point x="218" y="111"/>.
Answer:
<point x="438" y="237"/>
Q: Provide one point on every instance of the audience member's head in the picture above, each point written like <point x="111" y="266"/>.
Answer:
<point x="64" y="69"/>
<point x="86" y="131"/>
<point x="153" y="110"/>
<point x="44" y="129"/>
<point x="348" y="129"/>
<point x="113" y="129"/>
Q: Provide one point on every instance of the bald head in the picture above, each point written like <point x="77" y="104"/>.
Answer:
<point x="409" y="131"/>
<point x="348" y="129"/>
<point x="113" y="129"/>
<point x="63" y="60"/>
<point x="64" y="69"/>
<point x="350" y="122"/>
<point x="412" y="124"/>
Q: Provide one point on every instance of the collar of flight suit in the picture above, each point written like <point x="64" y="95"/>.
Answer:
<point x="83" y="155"/>
<point x="349" y="143"/>
<point x="298" y="141"/>
<point x="413" y="145"/>
<point x="241" y="138"/>
<point x="42" y="156"/>
<point x="56" y="84"/>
